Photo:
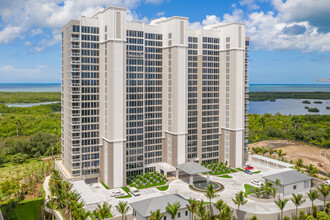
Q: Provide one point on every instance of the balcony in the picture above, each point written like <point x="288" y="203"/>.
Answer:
<point x="75" y="84"/>
<point x="75" y="77"/>
<point x="76" y="100"/>
<point x="75" y="69"/>
<point x="75" y="39"/>
<point x="75" y="115"/>
<point x="75" y="54"/>
<point x="75" y="47"/>
<point x="75" y="152"/>
<point x="76" y="167"/>
<point x="76" y="122"/>
<point x="76" y="160"/>
<point x="75" y="62"/>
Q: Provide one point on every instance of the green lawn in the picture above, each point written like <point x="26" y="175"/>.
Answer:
<point x="240" y="169"/>
<point x="226" y="176"/>
<point x="28" y="209"/>
<point x="248" y="188"/>
<point x="257" y="172"/>
<point x="144" y="181"/>
<point x="126" y="189"/>
<point x="162" y="188"/>
<point x="105" y="186"/>
<point x="223" y="172"/>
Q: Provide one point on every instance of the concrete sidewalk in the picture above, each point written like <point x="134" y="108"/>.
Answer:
<point x="57" y="214"/>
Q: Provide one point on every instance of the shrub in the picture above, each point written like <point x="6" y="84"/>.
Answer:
<point x="19" y="158"/>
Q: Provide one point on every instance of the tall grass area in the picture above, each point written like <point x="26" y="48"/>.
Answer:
<point x="29" y="97"/>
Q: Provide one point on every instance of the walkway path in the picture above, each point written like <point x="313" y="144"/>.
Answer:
<point x="48" y="195"/>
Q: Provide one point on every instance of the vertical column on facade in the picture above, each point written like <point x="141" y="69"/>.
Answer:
<point x="113" y="95"/>
<point x="232" y="92"/>
<point x="175" y="38"/>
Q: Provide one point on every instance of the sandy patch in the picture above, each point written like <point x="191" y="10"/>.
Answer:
<point x="309" y="153"/>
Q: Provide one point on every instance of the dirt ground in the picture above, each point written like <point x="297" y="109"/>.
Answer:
<point x="309" y="153"/>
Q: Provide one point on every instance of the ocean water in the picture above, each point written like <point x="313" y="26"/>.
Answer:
<point x="288" y="106"/>
<point x="30" y="87"/>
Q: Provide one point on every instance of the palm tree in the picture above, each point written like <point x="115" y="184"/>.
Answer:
<point x="202" y="212"/>
<point x="298" y="201"/>
<point x="156" y="215"/>
<point x="313" y="194"/>
<point x="103" y="210"/>
<point x="299" y="162"/>
<point x="271" y="151"/>
<point x="173" y="209"/>
<point x="324" y="190"/>
<point x="256" y="150"/>
<point x="273" y="192"/>
<point x="210" y="194"/>
<point x="281" y="204"/>
<point x="226" y="213"/>
<point x="312" y="170"/>
<point x="264" y="150"/>
<point x="253" y="218"/>
<point x="192" y="207"/>
<point x="122" y="208"/>
<point x="220" y="205"/>
<point x="280" y="153"/>
<point x="239" y="200"/>
<point x="84" y="214"/>
<point x="51" y="206"/>
<point x="18" y="123"/>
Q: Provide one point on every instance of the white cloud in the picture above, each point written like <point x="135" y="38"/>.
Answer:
<point x="37" y="31"/>
<point x="314" y="11"/>
<point x="27" y="43"/>
<point x="160" y="14"/>
<point x="10" y="32"/>
<point x="250" y="3"/>
<point x="267" y="32"/>
<point x="22" y="17"/>
<point x="210" y="20"/>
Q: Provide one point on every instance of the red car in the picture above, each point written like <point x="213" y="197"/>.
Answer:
<point x="248" y="167"/>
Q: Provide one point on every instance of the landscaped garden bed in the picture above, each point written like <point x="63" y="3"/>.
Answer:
<point x="162" y="188"/>
<point x="219" y="168"/>
<point x="150" y="179"/>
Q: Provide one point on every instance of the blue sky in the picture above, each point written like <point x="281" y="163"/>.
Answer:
<point x="290" y="40"/>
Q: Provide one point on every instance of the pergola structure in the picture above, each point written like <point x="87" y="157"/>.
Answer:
<point x="192" y="169"/>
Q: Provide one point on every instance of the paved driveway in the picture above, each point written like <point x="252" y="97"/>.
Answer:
<point x="180" y="186"/>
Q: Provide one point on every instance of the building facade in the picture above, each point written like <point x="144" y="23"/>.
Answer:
<point x="136" y="94"/>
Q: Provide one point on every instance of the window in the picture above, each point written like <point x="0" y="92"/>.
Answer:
<point x="179" y="214"/>
<point x="186" y="213"/>
<point x="294" y="187"/>
<point x="164" y="217"/>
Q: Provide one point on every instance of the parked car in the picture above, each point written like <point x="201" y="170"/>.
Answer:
<point x="248" y="172"/>
<point x="327" y="182"/>
<point x="247" y="167"/>
<point x="256" y="182"/>
<point x="116" y="194"/>
<point x="134" y="191"/>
